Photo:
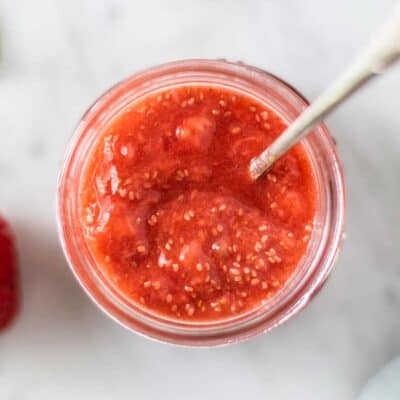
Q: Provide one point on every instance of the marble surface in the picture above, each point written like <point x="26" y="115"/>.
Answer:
<point x="57" y="57"/>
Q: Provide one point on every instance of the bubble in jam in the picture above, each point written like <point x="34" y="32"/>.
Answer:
<point x="171" y="215"/>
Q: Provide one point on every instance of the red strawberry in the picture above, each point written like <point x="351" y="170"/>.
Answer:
<point x="9" y="298"/>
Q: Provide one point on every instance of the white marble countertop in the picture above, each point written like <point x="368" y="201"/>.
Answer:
<point x="58" y="56"/>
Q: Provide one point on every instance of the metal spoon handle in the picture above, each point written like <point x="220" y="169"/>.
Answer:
<point x="381" y="52"/>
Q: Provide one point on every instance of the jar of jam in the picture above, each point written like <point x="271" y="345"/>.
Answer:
<point x="164" y="227"/>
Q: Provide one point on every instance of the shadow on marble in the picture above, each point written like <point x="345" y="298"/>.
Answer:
<point x="53" y="303"/>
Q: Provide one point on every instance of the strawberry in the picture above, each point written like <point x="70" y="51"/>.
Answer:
<point x="9" y="297"/>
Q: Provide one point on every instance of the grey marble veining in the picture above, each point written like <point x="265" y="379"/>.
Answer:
<point x="58" y="57"/>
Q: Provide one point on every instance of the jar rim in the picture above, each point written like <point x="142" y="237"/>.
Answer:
<point x="256" y="320"/>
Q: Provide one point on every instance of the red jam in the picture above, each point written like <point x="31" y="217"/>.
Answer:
<point x="171" y="215"/>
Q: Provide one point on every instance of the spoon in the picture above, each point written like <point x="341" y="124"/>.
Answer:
<point x="381" y="52"/>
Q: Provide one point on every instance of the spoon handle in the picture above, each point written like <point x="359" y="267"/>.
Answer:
<point x="381" y="52"/>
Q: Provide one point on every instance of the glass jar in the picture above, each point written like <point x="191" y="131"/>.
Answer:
<point x="324" y="243"/>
